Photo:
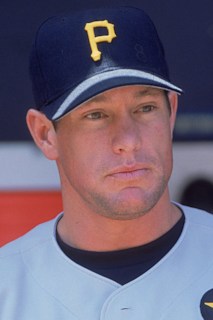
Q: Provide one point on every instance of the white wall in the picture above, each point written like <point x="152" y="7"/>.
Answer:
<point x="22" y="166"/>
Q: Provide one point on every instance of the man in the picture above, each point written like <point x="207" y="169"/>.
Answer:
<point x="105" y="112"/>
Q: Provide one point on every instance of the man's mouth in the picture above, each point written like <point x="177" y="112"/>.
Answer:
<point x="129" y="173"/>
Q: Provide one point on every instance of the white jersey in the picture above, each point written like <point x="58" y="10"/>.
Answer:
<point x="39" y="282"/>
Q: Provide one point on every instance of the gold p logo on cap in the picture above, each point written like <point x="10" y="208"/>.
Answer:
<point x="93" y="40"/>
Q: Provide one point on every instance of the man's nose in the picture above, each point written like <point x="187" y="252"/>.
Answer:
<point x="126" y="135"/>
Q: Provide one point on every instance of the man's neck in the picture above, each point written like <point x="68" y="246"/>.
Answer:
<point x="98" y="233"/>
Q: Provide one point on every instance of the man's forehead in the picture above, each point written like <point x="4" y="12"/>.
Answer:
<point x="135" y="91"/>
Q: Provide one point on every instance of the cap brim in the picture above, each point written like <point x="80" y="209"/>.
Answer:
<point x="100" y="83"/>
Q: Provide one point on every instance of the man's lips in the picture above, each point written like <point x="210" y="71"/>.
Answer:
<point x="126" y="173"/>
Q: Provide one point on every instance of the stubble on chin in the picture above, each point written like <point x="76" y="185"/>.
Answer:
<point x="117" y="207"/>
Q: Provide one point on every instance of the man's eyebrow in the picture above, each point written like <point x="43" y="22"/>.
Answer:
<point x="98" y="98"/>
<point x="147" y="92"/>
<point x="140" y="93"/>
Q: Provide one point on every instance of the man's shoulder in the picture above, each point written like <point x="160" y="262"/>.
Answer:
<point x="198" y="223"/>
<point x="35" y="237"/>
<point x="197" y="216"/>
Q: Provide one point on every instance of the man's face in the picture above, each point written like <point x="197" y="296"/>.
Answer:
<point x="115" y="151"/>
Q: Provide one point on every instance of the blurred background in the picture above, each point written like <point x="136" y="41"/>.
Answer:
<point x="29" y="184"/>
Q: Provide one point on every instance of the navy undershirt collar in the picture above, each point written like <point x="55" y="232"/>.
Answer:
<point x="125" y="265"/>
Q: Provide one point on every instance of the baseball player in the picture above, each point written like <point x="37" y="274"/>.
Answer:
<point x="105" y="111"/>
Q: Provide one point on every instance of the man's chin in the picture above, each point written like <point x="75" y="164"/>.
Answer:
<point x="127" y="209"/>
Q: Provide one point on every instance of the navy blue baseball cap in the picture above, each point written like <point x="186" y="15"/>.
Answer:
<point x="83" y="53"/>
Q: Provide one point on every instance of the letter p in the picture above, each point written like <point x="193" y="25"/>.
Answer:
<point x="93" y="40"/>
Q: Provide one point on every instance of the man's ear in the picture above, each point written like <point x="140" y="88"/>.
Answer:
<point x="43" y="133"/>
<point x="173" y="100"/>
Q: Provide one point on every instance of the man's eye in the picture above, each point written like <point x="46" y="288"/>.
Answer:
<point x="95" y="115"/>
<point x="147" y="108"/>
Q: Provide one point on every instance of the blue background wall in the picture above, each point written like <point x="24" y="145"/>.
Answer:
<point x="185" y="27"/>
